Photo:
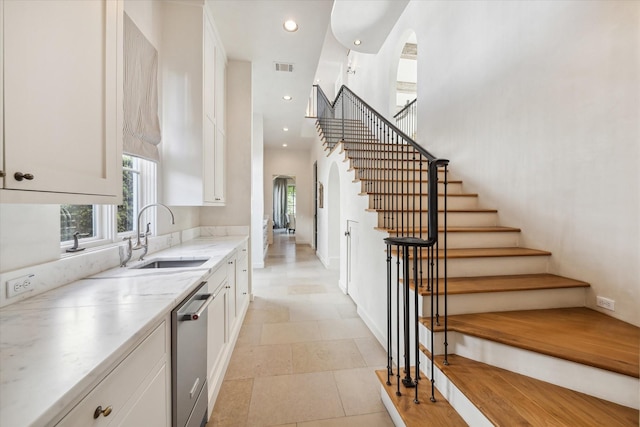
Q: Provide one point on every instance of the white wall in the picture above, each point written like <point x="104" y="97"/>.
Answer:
<point x="536" y="105"/>
<point x="295" y="163"/>
<point x="257" y="192"/>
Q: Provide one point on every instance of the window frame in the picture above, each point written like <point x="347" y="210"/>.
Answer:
<point x="105" y="216"/>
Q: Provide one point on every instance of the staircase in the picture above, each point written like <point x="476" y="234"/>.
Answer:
<point x="521" y="347"/>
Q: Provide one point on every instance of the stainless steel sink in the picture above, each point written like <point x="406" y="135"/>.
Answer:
<point x="173" y="263"/>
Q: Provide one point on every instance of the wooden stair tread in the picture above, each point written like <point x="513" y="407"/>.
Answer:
<point x="487" y="284"/>
<point x="509" y="399"/>
<point x="577" y="334"/>
<point x="424" y="414"/>
<point x="455" y="253"/>
<point x="450" y="229"/>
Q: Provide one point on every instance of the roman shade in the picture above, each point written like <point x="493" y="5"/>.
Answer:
<point x="141" y="125"/>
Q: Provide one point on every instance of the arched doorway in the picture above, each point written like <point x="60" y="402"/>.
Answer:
<point x="407" y="87"/>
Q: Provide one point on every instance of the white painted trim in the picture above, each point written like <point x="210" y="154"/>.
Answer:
<point x="381" y="337"/>
<point x="391" y="409"/>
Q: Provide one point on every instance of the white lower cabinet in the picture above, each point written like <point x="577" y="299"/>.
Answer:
<point x="225" y="316"/>
<point x="135" y="393"/>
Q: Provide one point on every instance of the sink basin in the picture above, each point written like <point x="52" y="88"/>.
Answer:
<point x="173" y="263"/>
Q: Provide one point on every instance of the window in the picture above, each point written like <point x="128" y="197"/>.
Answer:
<point x="102" y="224"/>
<point x="291" y="199"/>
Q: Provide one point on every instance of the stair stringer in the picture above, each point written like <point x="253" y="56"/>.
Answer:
<point x="618" y="388"/>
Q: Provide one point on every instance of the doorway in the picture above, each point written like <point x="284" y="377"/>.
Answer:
<point x="353" y="242"/>
<point x="284" y="203"/>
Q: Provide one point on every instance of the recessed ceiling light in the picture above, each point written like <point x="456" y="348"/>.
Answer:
<point x="285" y="129"/>
<point x="287" y="98"/>
<point x="357" y="42"/>
<point x="284" y="145"/>
<point x="290" y="25"/>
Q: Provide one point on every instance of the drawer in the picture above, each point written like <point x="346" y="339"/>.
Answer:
<point x="243" y="248"/>
<point x="119" y="385"/>
<point x="217" y="278"/>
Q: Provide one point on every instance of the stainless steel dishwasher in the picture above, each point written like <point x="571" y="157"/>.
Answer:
<point x="189" y="359"/>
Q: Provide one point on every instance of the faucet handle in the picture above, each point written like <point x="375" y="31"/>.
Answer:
<point x="148" y="230"/>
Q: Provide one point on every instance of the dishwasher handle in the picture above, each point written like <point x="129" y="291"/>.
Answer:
<point x="203" y="307"/>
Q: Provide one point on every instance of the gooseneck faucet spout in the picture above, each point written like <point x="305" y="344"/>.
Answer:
<point x="139" y="226"/>
<point x="139" y="244"/>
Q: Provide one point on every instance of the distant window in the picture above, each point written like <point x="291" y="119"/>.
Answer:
<point x="291" y="199"/>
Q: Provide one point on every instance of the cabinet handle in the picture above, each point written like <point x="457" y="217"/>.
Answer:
<point x="230" y="262"/>
<point x="244" y="271"/>
<point x="106" y="412"/>
<point x="19" y="176"/>
<point x="2" y="174"/>
<point x="227" y="287"/>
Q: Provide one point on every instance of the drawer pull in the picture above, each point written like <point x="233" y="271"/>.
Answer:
<point x="19" y="176"/>
<point x="106" y="412"/>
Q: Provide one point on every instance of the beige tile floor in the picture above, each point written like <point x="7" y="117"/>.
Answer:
<point x="303" y="358"/>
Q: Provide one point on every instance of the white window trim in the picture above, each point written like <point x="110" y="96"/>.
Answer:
<point x="106" y="230"/>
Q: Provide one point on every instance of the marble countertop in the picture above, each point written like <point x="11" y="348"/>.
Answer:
<point x="56" y="345"/>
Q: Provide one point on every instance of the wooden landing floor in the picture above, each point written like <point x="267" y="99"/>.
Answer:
<point x="509" y="399"/>
<point x="576" y="334"/>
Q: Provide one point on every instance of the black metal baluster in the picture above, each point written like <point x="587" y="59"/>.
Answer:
<point x="389" y="351"/>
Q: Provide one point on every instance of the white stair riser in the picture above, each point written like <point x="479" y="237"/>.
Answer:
<point x="495" y="266"/>
<point x="473" y="239"/>
<point x="361" y="151"/>
<point x="391" y="409"/>
<point x="463" y="406"/>
<point x="490" y="266"/>
<point x="394" y="174"/>
<point x="453" y="188"/>
<point x="420" y="202"/>
<point x="454" y="219"/>
<point x="607" y="385"/>
<point x="507" y="301"/>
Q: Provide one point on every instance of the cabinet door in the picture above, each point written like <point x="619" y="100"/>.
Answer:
<point x="2" y="171"/>
<point x="231" y="284"/>
<point x="209" y="72"/>
<point x="217" y="331"/>
<point x="150" y="408"/>
<point x="242" y="281"/>
<point x="220" y="89"/>
<point x="208" y="161"/>
<point x="62" y="96"/>
<point x="219" y="165"/>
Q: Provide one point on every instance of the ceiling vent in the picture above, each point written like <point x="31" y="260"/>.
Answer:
<point x="281" y="66"/>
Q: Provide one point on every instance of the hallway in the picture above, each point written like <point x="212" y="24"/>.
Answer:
<point x="303" y="357"/>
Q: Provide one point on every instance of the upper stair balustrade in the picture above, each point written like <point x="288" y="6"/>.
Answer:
<point x="407" y="185"/>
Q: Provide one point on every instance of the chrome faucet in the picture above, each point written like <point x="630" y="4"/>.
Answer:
<point x="124" y="258"/>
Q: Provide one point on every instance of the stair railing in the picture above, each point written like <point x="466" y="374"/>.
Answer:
<point x="407" y="119"/>
<point x="395" y="171"/>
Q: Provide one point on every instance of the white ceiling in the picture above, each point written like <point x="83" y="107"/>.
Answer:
<point x="252" y="30"/>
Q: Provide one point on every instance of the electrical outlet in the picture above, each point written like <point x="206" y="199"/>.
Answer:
<point x="606" y="303"/>
<point x="20" y="285"/>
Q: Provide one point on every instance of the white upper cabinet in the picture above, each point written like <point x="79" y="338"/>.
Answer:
<point x="62" y="101"/>
<point x="193" y="105"/>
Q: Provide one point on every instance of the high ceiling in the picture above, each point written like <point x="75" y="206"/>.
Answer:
<point x="252" y="30"/>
